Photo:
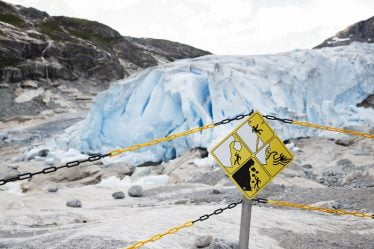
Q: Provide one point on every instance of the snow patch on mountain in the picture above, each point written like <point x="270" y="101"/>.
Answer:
<point x="321" y="86"/>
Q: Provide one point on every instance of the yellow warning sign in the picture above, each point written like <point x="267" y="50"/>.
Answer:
<point x="252" y="155"/>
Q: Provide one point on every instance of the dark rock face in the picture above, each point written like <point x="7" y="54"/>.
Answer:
<point x="360" y="32"/>
<point x="50" y="49"/>
<point x="368" y="102"/>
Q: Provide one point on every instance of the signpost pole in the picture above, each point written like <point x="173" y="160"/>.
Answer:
<point x="245" y="223"/>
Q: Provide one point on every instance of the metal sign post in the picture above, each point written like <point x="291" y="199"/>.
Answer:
<point x="245" y="223"/>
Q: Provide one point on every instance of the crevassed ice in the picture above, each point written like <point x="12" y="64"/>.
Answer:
<point x="321" y="86"/>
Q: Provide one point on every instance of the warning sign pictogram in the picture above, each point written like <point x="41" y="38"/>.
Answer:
<point x="252" y="155"/>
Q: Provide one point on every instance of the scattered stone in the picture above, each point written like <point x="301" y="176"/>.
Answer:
<point x="210" y="178"/>
<point x="120" y="169"/>
<point x="307" y="166"/>
<point x="30" y="84"/>
<point x="135" y="191"/>
<point x="53" y="189"/>
<point x="345" y="141"/>
<point x="216" y="191"/>
<point x="203" y="241"/>
<point x="223" y="244"/>
<point x="308" y="173"/>
<point x="76" y="203"/>
<point x="180" y="202"/>
<point x="118" y="195"/>
<point x="346" y="165"/>
<point x="37" y="152"/>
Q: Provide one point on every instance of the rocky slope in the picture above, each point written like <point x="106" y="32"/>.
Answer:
<point x="362" y="31"/>
<point x="59" y="63"/>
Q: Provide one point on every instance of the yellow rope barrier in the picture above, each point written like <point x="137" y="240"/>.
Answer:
<point x="330" y="128"/>
<point x="159" y="236"/>
<point x="160" y="140"/>
<point x="319" y="209"/>
<point x="211" y="126"/>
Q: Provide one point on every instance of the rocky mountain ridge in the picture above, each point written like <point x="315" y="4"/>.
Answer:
<point x="46" y="61"/>
<point x="362" y="31"/>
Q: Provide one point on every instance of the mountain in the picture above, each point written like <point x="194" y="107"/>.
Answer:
<point x="60" y="63"/>
<point x="362" y="31"/>
<point x="323" y="86"/>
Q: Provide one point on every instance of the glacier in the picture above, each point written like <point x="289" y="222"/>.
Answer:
<point x="321" y="86"/>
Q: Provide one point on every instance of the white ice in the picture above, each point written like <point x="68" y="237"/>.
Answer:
<point x="321" y="86"/>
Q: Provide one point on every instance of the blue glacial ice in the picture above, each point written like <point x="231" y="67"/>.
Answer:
<point x="321" y="86"/>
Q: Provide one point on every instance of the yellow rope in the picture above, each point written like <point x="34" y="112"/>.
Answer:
<point x="159" y="236"/>
<point x="265" y="201"/>
<point x="210" y="126"/>
<point x="160" y="140"/>
<point x="319" y="209"/>
<point x="330" y="128"/>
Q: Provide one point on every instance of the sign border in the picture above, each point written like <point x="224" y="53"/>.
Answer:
<point x="253" y="155"/>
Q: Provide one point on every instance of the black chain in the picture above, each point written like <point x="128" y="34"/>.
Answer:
<point x="217" y="211"/>
<point x="230" y="206"/>
<point x="96" y="157"/>
<point x="241" y="116"/>
<point x="25" y="176"/>
<point x="284" y="120"/>
<point x="228" y="120"/>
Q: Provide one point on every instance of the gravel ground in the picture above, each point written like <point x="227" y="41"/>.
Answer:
<point x="339" y="177"/>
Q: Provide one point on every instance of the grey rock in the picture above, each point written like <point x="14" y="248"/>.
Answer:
<point x="76" y="203"/>
<point x="307" y="166"/>
<point x="53" y="189"/>
<point x="180" y="202"/>
<point x="30" y="84"/>
<point x="43" y="153"/>
<point x="118" y="195"/>
<point x="308" y="173"/>
<point x="216" y="191"/>
<point x="4" y="136"/>
<point x="210" y="178"/>
<point x="203" y="241"/>
<point x="346" y="165"/>
<point x="120" y="169"/>
<point x="368" y="103"/>
<point x="136" y="191"/>
<point x="362" y="31"/>
<point x="223" y="244"/>
<point x="345" y="141"/>
<point x="38" y="153"/>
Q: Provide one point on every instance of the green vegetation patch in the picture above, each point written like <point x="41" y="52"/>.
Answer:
<point x="89" y="36"/>
<point x="51" y="29"/>
<point x="13" y="20"/>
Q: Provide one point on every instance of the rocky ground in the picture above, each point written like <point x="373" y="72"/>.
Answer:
<point x="56" y="64"/>
<point x="93" y="207"/>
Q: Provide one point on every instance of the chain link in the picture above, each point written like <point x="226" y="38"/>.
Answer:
<point x="329" y="128"/>
<point x="228" y="120"/>
<point x="26" y="176"/>
<point x="160" y="235"/>
<point x="217" y="211"/>
<point x="283" y="120"/>
<point x="135" y="147"/>
<point x="185" y="225"/>
<point x="319" y="209"/>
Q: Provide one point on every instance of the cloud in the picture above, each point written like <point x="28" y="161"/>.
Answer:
<point x="220" y="26"/>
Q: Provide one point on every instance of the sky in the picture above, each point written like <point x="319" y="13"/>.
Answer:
<point x="225" y="27"/>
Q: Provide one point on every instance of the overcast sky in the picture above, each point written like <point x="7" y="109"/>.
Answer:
<point x="220" y="26"/>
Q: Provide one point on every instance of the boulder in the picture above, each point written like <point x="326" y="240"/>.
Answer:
<point x="136" y="191"/>
<point x="76" y="203"/>
<point x="118" y="195"/>
<point x="203" y="241"/>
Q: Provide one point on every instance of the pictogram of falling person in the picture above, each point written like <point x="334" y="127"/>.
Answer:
<point x="247" y="175"/>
